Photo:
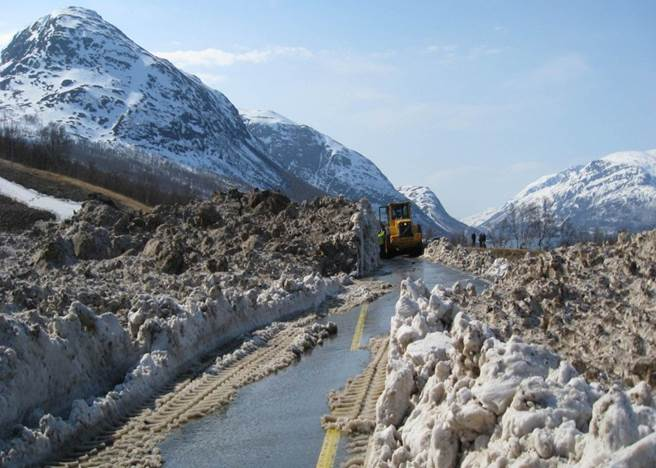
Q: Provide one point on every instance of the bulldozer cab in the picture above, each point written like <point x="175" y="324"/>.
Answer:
<point x="393" y="212"/>
<point x="401" y="234"/>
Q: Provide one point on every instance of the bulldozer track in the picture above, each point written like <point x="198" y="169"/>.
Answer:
<point x="132" y="439"/>
<point x="353" y="410"/>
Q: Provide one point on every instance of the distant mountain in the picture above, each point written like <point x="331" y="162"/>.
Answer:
<point x="479" y="218"/>
<point x="425" y="199"/>
<point x="323" y="162"/>
<point x="74" y="69"/>
<point x="615" y="192"/>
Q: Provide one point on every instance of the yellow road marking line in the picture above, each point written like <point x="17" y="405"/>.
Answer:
<point x="359" y="327"/>
<point x="329" y="448"/>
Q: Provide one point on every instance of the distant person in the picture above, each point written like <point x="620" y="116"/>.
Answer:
<point x="473" y="236"/>
<point x="481" y="240"/>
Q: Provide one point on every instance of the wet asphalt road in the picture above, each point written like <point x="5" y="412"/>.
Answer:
<point x="275" y="422"/>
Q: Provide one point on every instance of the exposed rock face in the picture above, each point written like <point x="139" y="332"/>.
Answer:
<point x="594" y="304"/>
<point x="466" y="398"/>
<point x="112" y="294"/>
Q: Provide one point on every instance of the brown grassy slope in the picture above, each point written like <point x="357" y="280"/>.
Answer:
<point x="62" y="186"/>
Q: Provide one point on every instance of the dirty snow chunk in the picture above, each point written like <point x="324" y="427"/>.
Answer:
<point x="436" y="344"/>
<point x="478" y="401"/>
<point x="63" y="209"/>
<point x="504" y="365"/>
<point x="394" y="402"/>
<point x="498" y="270"/>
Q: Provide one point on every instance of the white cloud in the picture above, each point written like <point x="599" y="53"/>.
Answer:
<point x="5" y="38"/>
<point x="560" y="69"/>
<point x="447" y="53"/>
<point x="211" y="79"/>
<point x="450" y="53"/>
<point x="349" y="64"/>
<point x="217" y="57"/>
<point x="444" y="117"/>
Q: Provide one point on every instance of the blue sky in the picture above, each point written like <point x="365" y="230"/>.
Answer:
<point x="474" y="99"/>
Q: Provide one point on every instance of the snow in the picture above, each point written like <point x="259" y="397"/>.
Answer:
<point x="50" y="363"/>
<point x="615" y="192"/>
<point x="498" y="269"/>
<point x="458" y="396"/>
<point x="265" y="117"/>
<point x="426" y="199"/>
<point x="63" y="209"/>
<point x="477" y="219"/>
<point x="644" y="159"/>
<point x="324" y="162"/>
<point x="74" y="69"/>
<point x="162" y="338"/>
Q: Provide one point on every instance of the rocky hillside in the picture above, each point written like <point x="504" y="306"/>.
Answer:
<point x="426" y="199"/>
<point x="613" y="193"/>
<point x="325" y="163"/>
<point x="74" y="69"/>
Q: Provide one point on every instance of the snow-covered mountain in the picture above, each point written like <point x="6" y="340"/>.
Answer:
<point x="325" y="163"/>
<point x="477" y="219"/>
<point x="318" y="159"/>
<point x="615" y="192"/>
<point x="75" y="69"/>
<point x="425" y="199"/>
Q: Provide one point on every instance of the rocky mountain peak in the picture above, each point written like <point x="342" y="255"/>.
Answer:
<point x="74" y="69"/>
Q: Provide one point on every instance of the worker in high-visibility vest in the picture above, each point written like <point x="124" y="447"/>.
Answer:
<point x="381" y="242"/>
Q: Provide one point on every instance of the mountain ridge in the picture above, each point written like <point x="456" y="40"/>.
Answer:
<point x="431" y="205"/>
<point x="612" y="193"/>
<point x="326" y="163"/>
<point x="74" y="69"/>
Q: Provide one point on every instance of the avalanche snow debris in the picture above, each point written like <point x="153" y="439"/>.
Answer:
<point x="457" y="395"/>
<point x="593" y="304"/>
<point x="99" y="311"/>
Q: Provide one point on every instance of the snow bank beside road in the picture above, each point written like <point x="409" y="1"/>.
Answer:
<point x="457" y="396"/>
<point x="162" y="339"/>
<point x="119" y="297"/>
<point x="63" y="209"/>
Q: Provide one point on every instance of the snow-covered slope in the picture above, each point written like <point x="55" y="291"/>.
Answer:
<point x="479" y="218"/>
<point x="324" y="162"/>
<point x="615" y="192"/>
<point x="63" y="209"/>
<point x="75" y="69"/>
<point x="318" y="159"/>
<point x="426" y="199"/>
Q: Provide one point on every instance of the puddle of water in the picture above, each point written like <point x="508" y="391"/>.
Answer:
<point x="275" y="422"/>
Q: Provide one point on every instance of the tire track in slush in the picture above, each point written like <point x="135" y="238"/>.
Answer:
<point x="133" y="439"/>
<point x="353" y="409"/>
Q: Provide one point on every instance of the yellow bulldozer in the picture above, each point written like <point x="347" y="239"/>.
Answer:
<point x="401" y="235"/>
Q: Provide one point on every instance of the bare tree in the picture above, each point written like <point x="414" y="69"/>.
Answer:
<point x="568" y="233"/>
<point x="542" y="224"/>
<point x="513" y="224"/>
